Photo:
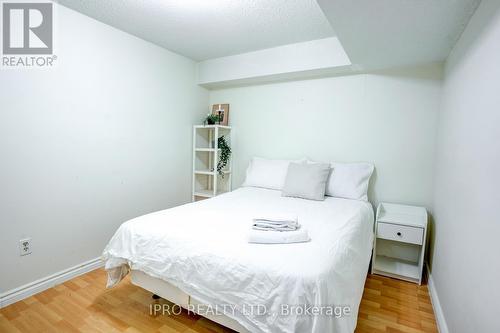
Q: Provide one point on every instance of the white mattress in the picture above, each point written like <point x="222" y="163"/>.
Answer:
<point x="202" y="249"/>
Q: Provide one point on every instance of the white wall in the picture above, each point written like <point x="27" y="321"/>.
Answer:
<point x="316" y="57"/>
<point x="386" y="118"/>
<point x="104" y="137"/>
<point x="466" y="267"/>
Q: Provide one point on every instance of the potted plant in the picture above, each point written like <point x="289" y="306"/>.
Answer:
<point x="211" y="119"/>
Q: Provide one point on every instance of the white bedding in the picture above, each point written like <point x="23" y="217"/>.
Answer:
<point x="202" y="249"/>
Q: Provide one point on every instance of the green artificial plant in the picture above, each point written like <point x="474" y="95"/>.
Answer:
<point x="225" y="153"/>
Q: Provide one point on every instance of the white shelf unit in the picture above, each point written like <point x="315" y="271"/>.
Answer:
<point x="399" y="245"/>
<point x="207" y="182"/>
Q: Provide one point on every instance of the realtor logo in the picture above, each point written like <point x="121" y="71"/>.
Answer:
<point x="27" y="34"/>
<point x="27" y="28"/>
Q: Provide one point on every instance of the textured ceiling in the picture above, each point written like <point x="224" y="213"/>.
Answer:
<point x="206" y="29"/>
<point x="396" y="33"/>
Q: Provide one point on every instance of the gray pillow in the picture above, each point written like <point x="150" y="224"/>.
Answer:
<point x="307" y="181"/>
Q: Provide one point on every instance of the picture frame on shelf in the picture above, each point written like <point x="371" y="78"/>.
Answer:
<point x="222" y="111"/>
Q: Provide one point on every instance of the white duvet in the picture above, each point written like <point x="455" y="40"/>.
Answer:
<point x="202" y="249"/>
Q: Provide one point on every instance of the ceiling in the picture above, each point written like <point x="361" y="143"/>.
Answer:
<point x="206" y="29"/>
<point x="375" y="34"/>
<point x="396" y="33"/>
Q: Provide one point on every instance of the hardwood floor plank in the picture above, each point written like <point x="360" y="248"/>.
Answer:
<point x="7" y="326"/>
<point x="84" y="304"/>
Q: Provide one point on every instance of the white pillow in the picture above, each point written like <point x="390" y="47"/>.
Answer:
<point x="265" y="173"/>
<point x="306" y="181"/>
<point x="349" y="180"/>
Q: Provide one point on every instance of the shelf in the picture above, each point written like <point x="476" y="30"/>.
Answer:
<point x="410" y="220"/>
<point x="212" y="173"/>
<point x="206" y="193"/>
<point x="409" y="215"/>
<point x="212" y="126"/>
<point x="402" y="269"/>
<point x="206" y="178"/>
<point x="206" y="149"/>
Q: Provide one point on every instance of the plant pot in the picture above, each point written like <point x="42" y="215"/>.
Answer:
<point x="210" y="122"/>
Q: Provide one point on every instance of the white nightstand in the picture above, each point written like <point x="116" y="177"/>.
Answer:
<point x="399" y="246"/>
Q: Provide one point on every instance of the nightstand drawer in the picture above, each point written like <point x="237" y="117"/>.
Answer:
<point x="400" y="233"/>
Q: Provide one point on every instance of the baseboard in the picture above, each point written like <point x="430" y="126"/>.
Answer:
<point x="40" y="285"/>
<point x="436" y="305"/>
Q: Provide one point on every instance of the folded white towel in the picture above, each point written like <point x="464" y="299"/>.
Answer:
<point x="278" y="237"/>
<point x="276" y="222"/>
<point x="274" y="227"/>
<point x="279" y="219"/>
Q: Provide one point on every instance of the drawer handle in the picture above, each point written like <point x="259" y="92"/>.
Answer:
<point x="399" y="234"/>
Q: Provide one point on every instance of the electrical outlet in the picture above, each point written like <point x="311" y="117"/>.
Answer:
<point x="25" y="246"/>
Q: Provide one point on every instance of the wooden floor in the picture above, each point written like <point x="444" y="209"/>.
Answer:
<point x="84" y="305"/>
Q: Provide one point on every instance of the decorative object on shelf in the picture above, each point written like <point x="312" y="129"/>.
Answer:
<point x="225" y="154"/>
<point x="222" y="111"/>
<point x="211" y="119"/>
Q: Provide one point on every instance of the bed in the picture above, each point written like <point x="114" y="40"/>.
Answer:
<point x="198" y="253"/>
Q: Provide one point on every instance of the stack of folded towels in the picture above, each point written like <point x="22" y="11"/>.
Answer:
<point x="277" y="230"/>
